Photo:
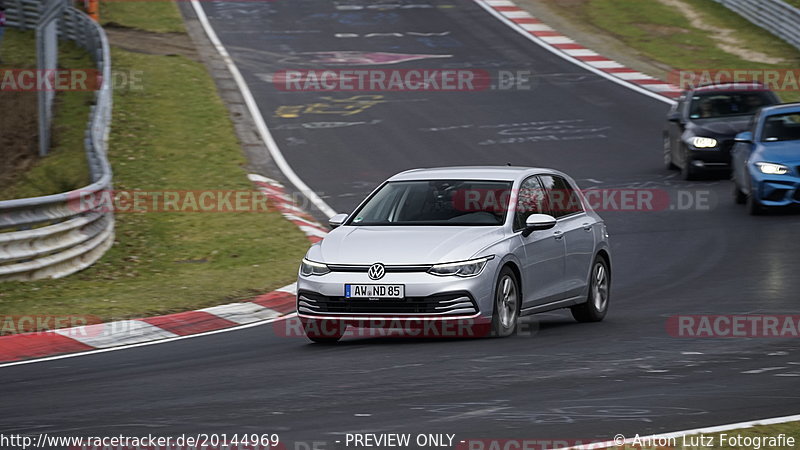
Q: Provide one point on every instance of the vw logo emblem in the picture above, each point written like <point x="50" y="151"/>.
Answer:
<point x="376" y="271"/>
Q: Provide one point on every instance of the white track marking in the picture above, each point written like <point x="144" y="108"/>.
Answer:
<point x="707" y="430"/>
<point x="566" y="57"/>
<point x="242" y="313"/>
<point x="661" y="87"/>
<point x="292" y="288"/>
<point x="605" y="64"/>
<point x="516" y="14"/>
<point x="536" y="27"/>
<point x="633" y="76"/>
<point x="261" y="125"/>
<point x="557" y="40"/>
<point x="113" y="334"/>
<point x="581" y="52"/>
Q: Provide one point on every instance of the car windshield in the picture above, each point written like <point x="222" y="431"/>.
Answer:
<point x="782" y="127"/>
<point x="437" y="202"/>
<point x="710" y="105"/>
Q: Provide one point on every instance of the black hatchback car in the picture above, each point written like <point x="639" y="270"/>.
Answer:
<point x="702" y="126"/>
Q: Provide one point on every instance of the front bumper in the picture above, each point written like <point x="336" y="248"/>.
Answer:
<point x="776" y="190"/>
<point x="427" y="297"/>
<point x="712" y="159"/>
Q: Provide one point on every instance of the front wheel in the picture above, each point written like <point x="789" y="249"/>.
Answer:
<point x="596" y="306"/>
<point x="739" y="197"/>
<point x="754" y="207"/>
<point x="323" y="331"/>
<point x="688" y="171"/>
<point x="668" y="164"/>
<point x="506" y="304"/>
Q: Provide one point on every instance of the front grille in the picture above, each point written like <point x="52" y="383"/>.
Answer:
<point x="451" y="304"/>
<point x="389" y="269"/>
<point x="776" y="195"/>
<point x="726" y="145"/>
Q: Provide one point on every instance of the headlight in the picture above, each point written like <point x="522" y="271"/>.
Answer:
<point x="309" y="268"/>
<point x="772" y="169"/>
<point x="469" y="268"/>
<point x="704" y="142"/>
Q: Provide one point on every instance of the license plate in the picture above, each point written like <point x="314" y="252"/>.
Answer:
<point x="374" y="291"/>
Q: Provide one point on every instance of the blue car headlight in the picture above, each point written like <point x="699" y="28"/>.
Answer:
<point x="309" y="268"/>
<point x="772" y="168"/>
<point x="463" y="269"/>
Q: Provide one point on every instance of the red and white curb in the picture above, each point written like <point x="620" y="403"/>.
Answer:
<point x="273" y="305"/>
<point x="137" y="331"/>
<point x="546" y="35"/>
<point x="278" y="198"/>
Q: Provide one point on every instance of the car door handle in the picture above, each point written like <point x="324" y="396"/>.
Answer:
<point x="558" y="235"/>
<point x="587" y="227"/>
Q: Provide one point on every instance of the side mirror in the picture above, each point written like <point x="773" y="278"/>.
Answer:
<point x="536" y="222"/>
<point x="337" y="220"/>
<point x="744" y="136"/>
<point x="674" y="116"/>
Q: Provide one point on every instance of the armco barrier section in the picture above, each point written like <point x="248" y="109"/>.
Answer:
<point x="775" y="16"/>
<point x="51" y="236"/>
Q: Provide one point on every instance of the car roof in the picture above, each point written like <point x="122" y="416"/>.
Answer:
<point x="494" y="173"/>
<point x="782" y="108"/>
<point x="731" y="87"/>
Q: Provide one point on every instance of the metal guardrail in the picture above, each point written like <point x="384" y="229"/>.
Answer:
<point x="54" y="235"/>
<point x="775" y="16"/>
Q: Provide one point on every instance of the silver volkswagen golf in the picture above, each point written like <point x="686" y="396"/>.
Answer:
<point x="438" y="249"/>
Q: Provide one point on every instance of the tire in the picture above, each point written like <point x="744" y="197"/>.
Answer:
<point x="668" y="164"/>
<point x="596" y="305"/>
<point x="324" y="340"/>
<point x="754" y="207"/>
<point x="739" y="197"/>
<point x="319" y="331"/>
<point x="507" y="303"/>
<point x="688" y="171"/>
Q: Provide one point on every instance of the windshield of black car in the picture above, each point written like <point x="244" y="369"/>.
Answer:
<point x="437" y="202"/>
<point x="711" y="105"/>
<point x="781" y="127"/>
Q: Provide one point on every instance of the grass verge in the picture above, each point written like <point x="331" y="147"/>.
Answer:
<point x="65" y="166"/>
<point x="662" y="33"/>
<point x="156" y="16"/>
<point x="171" y="132"/>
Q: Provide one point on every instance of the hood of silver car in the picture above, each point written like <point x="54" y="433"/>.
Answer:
<point x="404" y="244"/>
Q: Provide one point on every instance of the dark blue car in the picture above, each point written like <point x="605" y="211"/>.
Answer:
<point x="766" y="159"/>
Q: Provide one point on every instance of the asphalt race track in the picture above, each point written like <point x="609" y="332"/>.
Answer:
<point x="556" y="380"/>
